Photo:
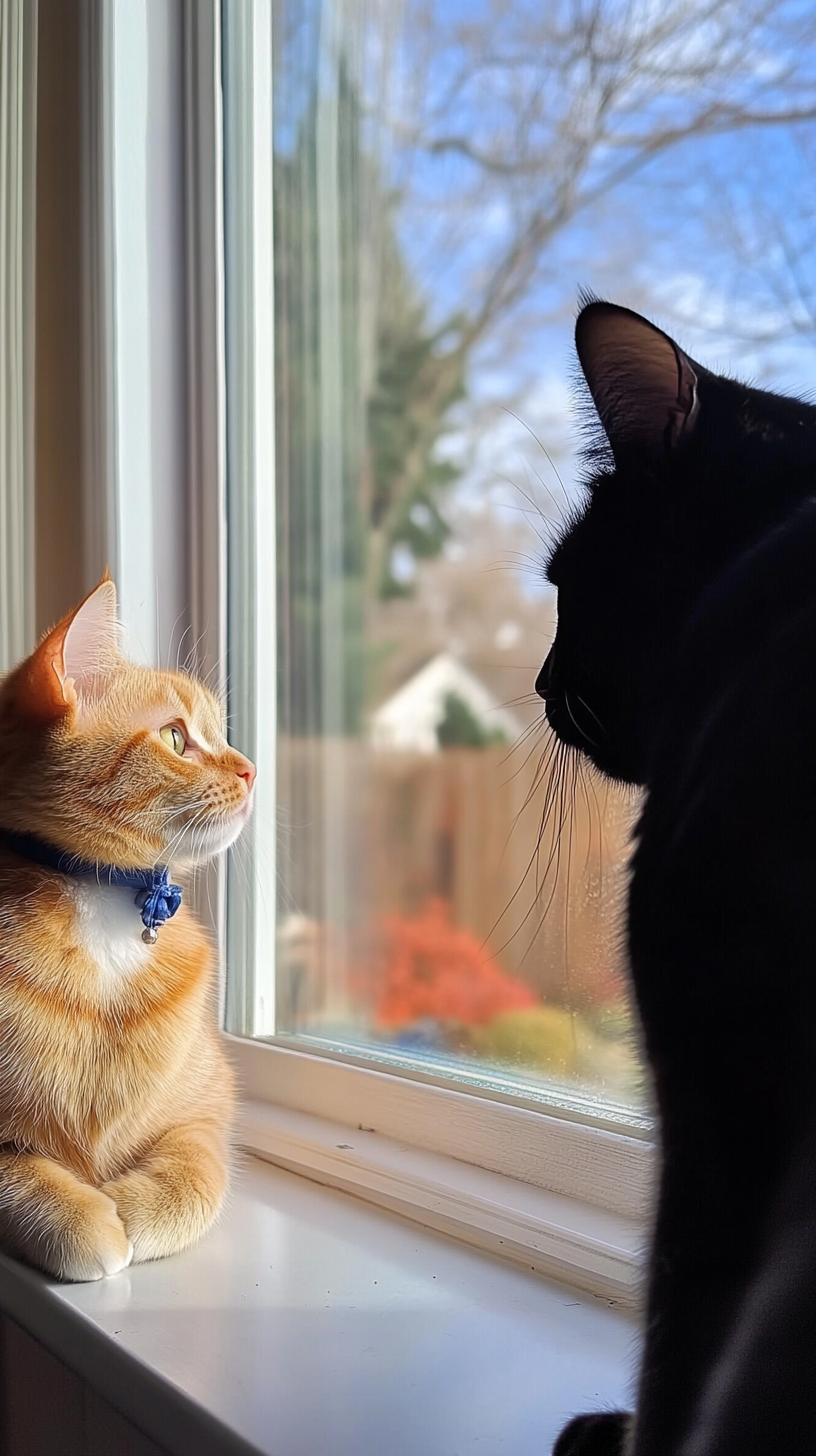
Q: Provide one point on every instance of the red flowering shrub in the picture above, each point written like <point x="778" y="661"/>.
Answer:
<point x="435" y="971"/>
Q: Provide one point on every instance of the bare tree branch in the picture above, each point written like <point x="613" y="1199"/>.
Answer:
<point x="535" y="115"/>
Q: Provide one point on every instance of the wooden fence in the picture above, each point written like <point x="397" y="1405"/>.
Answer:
<point x="365" y="833"/>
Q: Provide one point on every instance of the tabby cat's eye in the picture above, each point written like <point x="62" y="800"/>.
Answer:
<point x="174" y="738"/>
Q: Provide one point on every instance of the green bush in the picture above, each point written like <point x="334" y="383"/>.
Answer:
<point x="460" y="728"/>
<point x="537" y="1036"/>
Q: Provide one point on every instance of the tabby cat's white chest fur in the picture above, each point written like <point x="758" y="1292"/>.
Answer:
<point x="109" y="928"/>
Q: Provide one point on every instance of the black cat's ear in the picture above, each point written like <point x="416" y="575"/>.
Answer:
<point x="643" y="386"/>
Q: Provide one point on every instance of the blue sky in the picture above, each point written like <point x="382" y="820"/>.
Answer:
<point x="704" y="238"/>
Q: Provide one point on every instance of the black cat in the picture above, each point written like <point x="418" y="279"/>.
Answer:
<point x="685" y="660"/>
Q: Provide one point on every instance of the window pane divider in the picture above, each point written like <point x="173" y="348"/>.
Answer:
<point x="252" y="676"/>
<point x="18" y="50"/>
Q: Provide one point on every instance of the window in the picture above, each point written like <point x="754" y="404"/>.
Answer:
<point x="412" y="192"/>
<point x="424" y="915"/>
<point x="359" y="299"/>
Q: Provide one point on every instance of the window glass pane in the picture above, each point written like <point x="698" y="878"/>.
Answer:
<point x="450" y="886"/>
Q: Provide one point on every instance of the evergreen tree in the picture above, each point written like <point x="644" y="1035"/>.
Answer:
<point x="460" y="728"/>
<point x="355" y="467"/>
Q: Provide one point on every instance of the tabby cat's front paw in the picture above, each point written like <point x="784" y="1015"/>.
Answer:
<point x="160" y="1220"/>
<point x="91" y="1242"/>
<point x="603" y="1434"/>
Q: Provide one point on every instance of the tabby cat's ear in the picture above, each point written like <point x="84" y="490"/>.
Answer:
<point x="72" y="660"/>
<point x="643" y="386"/>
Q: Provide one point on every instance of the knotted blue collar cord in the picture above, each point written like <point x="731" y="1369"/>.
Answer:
<point x="157" y="899"/>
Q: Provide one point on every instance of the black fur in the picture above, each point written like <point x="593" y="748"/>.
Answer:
<point x="685" y="661"/>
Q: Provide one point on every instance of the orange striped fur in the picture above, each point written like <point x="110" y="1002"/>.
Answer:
<point x="115" y="1098"/>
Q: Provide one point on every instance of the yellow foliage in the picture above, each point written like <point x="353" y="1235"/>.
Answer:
<point x="531" y="1036"/>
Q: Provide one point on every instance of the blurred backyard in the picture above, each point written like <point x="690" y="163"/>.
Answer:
<point x="446" y="177"/>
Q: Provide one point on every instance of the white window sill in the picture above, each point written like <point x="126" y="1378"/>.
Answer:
<point x="310" y="1321"/>
<point x="591" y="1249"/>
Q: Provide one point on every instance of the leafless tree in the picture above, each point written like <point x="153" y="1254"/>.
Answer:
<point x="511" y="130"/>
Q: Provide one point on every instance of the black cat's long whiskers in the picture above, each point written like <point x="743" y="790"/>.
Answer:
<point x="543" y="765"/>
<point x="554" y="857"/>
<point x="540" y="770"/>
<point x="544" y="917"/>
<point x="594" y="782"/>
<point x="575" y="723"/>
<point x="553" y="801"/>
<point x="551" y="750"/>
<point x="551" y="523"/>
<point x="548" y="523"/>
<point x="567" y="889"/>
<point x="565" y="769"/>
<point x="542" y="482"/>
<point x="523" y="698"/>
<point x="585" y="704"/>
<point x="536" y="740"/>
<point x="587" y="780"/>
<point x="533" y="515"/>
<point x="533" y="730"/>
<point x="523" y="567"/>
<point x="581" y="780"/>
<point x="550" y="528"/>
<point x="545" y="452"/>
<point x="547" y="765"/>
<point x="556" y="508"/>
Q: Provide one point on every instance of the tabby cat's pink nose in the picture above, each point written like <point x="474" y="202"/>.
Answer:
<point x="246" y="770"/>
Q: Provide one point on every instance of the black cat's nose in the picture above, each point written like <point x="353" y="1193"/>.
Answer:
<point x="542" y="682"/>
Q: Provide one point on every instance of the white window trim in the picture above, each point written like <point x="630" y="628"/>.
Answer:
<point x="568" y="1239"/>
<point x="564" y="1155"/>
<point x="18" y="52"/>
<point x="550" y="1192"/>
<point x="247" y="259"/>
<point x="374" y="1321"/>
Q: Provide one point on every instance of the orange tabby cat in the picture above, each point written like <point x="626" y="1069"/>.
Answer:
<point x="115" y="1098"/>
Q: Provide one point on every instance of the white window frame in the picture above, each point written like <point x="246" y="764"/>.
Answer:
<point x="581" y="1157"/>
<point x="18" y="40"/>
<point x="565" y="1193"/>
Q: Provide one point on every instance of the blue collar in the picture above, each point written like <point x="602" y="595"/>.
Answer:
<point x="157" y="899"/>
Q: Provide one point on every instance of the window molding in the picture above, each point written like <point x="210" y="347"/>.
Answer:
<point x="151" y="284"/>
<point x="206" y="403"/>
<point x="250" y="394"/>
<point x="592" y="1249"/>
<point x="18" y="120"/>
<point x="205" y="494"/>
<point x="96" y="167"/>
<point x="562" y="1155"/>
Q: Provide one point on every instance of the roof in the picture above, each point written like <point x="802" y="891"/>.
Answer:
<point x="407" y="721"/>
